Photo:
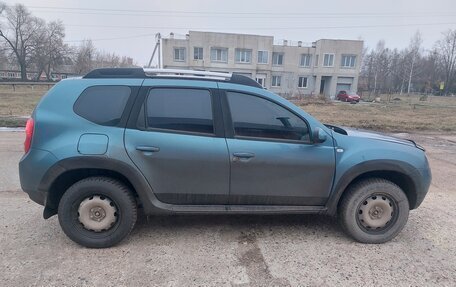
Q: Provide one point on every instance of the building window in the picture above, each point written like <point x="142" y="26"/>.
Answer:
<point x="179" y="54"/>
<point x="263" y="57"/>
<point x="305" y="60"/>
<point x="261" y="79"/>
<point x="302" y="82"/>
<point x="219" y="55"/>
<point x="276" y="81"/>
<point x="197" y="53"/>
<point x="328" y="60"/>
<point x="243" y="55"/>
<point x="348" y="61"/>
<point x="316" y="61"/>
<point x="277" y="59"/>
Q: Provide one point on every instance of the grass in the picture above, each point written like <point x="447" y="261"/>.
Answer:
<point x="404" y="114"/>
<point x="399" y="114"/>
<point x="21" y="101"/>
<point x="18" y="102"/>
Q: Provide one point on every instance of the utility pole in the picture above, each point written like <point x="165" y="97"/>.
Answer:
<point x="156" y="49"/>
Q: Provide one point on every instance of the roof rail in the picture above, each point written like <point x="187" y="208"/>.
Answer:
<point x="187" y="74"/>
<point x="141" y="73"/>
<point x="109" y="73"/>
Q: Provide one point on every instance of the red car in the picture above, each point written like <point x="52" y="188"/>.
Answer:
<point x="345" y="96"/>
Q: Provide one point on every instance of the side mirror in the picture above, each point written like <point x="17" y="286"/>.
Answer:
<point x="318" y="135"/>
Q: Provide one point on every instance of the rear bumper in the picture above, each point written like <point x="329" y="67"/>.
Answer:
<point x="37" y="196"/>
<point x="32" y="168"/>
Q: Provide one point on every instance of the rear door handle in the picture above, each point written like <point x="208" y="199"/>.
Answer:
<point x="242" y="156"/>
<point x="148" y="148"/>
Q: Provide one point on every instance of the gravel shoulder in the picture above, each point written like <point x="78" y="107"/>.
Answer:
<point x="285" y="250"/>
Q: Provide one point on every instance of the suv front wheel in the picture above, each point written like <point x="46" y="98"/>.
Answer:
<point x="374" y="211"/>
<point x="97" y="212"/>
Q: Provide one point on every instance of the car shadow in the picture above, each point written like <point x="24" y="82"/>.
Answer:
<point x="184" y="224"/>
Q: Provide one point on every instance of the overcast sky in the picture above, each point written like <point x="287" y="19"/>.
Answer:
<point x="128" y="27"/>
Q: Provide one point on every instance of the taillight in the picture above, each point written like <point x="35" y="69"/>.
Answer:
<point x="29" y="127"/>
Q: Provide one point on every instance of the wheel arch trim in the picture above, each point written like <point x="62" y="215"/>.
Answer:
<point x="134" y="177"/>
<point x="372" y="167"/>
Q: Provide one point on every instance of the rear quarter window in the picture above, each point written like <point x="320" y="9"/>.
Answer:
<point x="103" y="105"/>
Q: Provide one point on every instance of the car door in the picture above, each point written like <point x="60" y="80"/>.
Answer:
<point x="178" y="144"/>
<point x="273" y="161"/>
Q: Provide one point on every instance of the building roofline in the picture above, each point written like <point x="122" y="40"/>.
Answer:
<point x="234" y="34"/>
<point x="351" y="40"/>
<point x="273" y="38"/>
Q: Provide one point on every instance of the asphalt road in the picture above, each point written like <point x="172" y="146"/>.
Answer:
<point x="211" y="250"/>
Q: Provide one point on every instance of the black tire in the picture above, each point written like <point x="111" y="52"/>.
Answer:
<point x="119" y="197"/>
<point x="373" y="192"/>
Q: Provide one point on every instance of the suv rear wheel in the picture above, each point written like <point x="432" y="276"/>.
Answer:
<point x="374" y="211"/>
<point x="97" y="212"/>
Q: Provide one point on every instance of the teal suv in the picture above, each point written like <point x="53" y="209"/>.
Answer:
<point x="100" y="147"/>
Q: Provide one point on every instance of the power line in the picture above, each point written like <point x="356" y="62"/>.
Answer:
<point x="227" y="14"/>
<point x="260" y="28"/>
<point x="131" y="12"/>
<point x="114" y="38"/>
<point x="254" y="17"/>
<point x="240" y="28"/>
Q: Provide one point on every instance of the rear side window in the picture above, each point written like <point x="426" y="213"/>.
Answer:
<point x="187" y="110"/>
<point x="103" y="105"/>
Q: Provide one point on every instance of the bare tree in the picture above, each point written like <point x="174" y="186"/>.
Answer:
<point x="111" y="60"/>
<point x="84" y="57"/>
<point x="398" y="71"/>
<point x="381" y="67"/>
<point x="50" y="49"/>
<point x="3" y="60"/>
<point x="430" y="72"/>
<point x="20" y="30"/>
<point x="446" y="49"/>
<point x="413" y="54"/>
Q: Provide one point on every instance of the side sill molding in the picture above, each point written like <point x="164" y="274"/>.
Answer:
<point x="247" y="209"/>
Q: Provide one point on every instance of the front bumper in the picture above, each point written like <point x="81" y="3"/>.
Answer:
<point x="425" y="182"/>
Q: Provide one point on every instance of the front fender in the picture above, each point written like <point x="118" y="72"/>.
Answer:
<point x="386" y="165"/>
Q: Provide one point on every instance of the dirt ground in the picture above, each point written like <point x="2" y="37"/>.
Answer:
<point x="245" y="250"/>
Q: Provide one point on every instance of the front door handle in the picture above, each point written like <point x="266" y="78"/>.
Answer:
<point x="148" y="148"/>
<point x="242" y="156"/>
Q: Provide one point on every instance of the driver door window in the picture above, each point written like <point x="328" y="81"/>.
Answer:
<point x="255" y="117"/>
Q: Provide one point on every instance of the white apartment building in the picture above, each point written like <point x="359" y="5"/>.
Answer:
<point x="289" y="69"/>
